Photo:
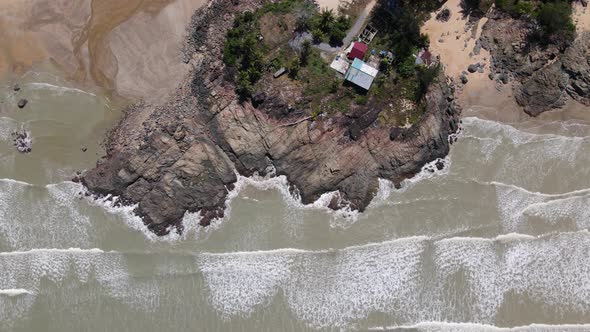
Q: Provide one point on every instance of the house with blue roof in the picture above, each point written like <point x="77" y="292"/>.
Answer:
<point x="361" y="74"/>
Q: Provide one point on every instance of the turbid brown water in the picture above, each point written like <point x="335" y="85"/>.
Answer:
<point x="497" y="239"/>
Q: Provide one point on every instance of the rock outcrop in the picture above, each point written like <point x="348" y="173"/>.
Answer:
<point x="544" y="75"/>
<point x="183" y="155"/>
<point x="22" y="141"/>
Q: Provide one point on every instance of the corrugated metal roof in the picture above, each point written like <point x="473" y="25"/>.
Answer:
<point x="361" y="74"/>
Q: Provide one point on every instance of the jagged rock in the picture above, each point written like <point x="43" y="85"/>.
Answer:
<point x="477" y="48"/>
<point x="472" y="68"/>
<point x="464" y="79"/>
<point x="544" y="91"/>
<point x="22" y="103"/>
<point x="576" y="65"/>
<point x="444" y="15"/>
<point x="22" y="141"/>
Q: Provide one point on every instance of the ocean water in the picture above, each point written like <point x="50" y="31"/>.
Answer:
<point x="496" y="241"/>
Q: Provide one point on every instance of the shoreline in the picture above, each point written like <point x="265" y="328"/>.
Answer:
<point x="200" y="135"/>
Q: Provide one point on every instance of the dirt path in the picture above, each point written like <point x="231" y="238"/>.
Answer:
<point x="353" y="32"/>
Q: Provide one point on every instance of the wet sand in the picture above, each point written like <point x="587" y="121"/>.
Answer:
<point x="128" y="48"/>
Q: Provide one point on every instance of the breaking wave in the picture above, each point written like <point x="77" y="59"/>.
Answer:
<point x="338" y="288"/>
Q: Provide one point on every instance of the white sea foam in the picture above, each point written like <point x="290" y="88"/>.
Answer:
<point x="336" y="288"/>
<point x="493" y="151"/>
<point x="516" y="204"/>
<point x="49" y="216"/>
<point x="14" y="292"/>
<point x="7" y="126"/>
<point x="468" y="327"/>
<point x="29" y="270"/>
<point x="341" y="218"/>
<point x="57" y="89"/>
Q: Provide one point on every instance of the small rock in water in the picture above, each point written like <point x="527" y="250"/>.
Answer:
<point x="16" y="87"/>
<point x="84" y="149"/>
<point x="22" y="103"/>
<point x="22" y="141"/>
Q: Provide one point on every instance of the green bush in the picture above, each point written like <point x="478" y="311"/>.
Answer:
<point x="361" y="100"/>
<point x="407" y="67"/>
<point x="294" y="67"/>
<point x="555" y="18"/>
<point x="336" y="36"/>
<point x="318" y="35"/>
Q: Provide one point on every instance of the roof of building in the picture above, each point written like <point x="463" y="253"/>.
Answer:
<point x="424" y="57"/>
<point x="340" y="64"/>
<point x="361" y="74"/>
<point x="358" y="51"/>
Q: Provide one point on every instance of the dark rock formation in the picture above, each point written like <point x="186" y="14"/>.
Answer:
<point x="545" y="74"/>
<point x="22" y="103"/>
<point x="183" y="155"/>
<point x="444" y="15"/>
<point x="544" y="90"/>
<point x="22" y="141"/>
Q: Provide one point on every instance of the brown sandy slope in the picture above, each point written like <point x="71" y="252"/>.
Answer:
<point x="129" y="47"/>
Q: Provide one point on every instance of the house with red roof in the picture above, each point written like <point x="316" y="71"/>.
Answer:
<point x="358" y="51"/>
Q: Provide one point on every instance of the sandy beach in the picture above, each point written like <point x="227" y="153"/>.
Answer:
<point x="454" y="43"/>
<point x="129" y="48"/>
<point x="329" y="4"/>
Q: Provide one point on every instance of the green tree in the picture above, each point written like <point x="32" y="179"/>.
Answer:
<point x="336" y="36"/>
<point x="318" y="35"/>
<point x="555" y="18"/>
<point x="294" y="67"/>
<point x="326" y="19"/>
<point x="305" y="52"/>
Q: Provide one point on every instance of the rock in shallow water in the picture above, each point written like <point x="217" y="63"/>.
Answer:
<point x="22" y="103"/>
<point x="22" y="141"/>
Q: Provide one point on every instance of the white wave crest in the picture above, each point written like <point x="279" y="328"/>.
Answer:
<point x="14" y="292"/>
<point x="467" y="327"/>
<point x="336" y="288"/>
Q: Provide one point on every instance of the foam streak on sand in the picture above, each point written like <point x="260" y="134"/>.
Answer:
<point x="58" y="89"/>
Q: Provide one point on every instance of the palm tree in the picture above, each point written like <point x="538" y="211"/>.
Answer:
<point x="326" y="19"/>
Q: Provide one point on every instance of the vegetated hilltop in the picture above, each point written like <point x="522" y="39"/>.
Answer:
<point x="535" y="43"/>
<point x="322" y="133"/>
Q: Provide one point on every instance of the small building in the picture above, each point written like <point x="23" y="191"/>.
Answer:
<point x="368" y="34"/>
<point x="361" y="74"/>
<point x="340" y="64"/>
<point x="424" y="57"/>
<point x="358" y="51"/>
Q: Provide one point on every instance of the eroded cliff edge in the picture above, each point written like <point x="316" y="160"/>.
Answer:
<point x="183" y="154"/>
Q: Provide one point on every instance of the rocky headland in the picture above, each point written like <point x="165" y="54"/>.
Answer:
<point x="184" y="153"/>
